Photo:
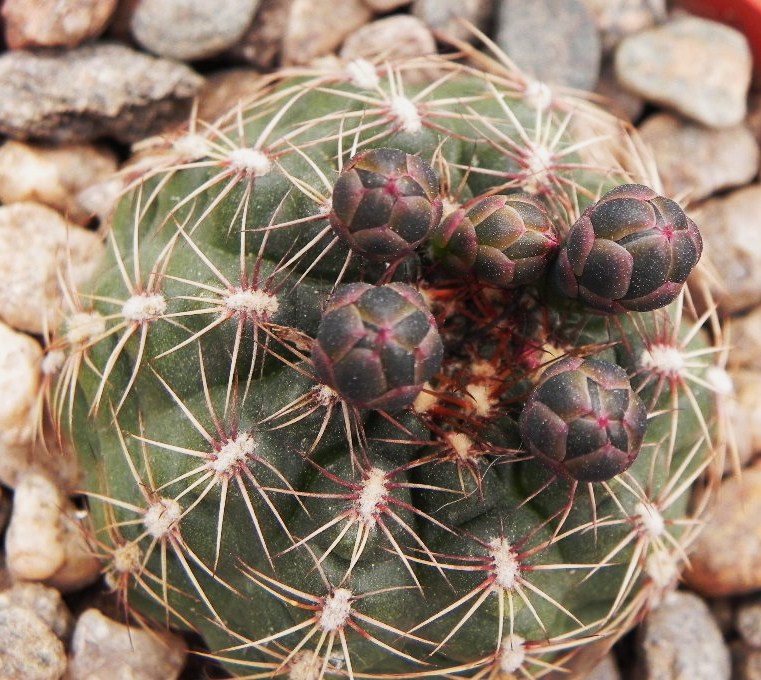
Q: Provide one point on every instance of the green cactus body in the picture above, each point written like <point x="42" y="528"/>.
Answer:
<point x="301" y="533"/>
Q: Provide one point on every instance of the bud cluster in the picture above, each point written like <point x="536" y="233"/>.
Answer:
<point x="377" y="346"/>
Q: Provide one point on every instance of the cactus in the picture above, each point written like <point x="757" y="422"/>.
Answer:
<point x="311" y="415"/>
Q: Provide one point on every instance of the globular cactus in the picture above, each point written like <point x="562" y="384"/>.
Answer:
<point x="340" y="438"/>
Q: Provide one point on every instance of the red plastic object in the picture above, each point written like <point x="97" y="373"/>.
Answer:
<point x="744" y="15"/>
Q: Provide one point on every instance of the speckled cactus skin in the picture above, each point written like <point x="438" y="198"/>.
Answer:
<point x="309" y="534"/>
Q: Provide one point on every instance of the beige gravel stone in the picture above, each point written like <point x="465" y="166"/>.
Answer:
<point x="731" y="226"/>
<point x="619" y="18"/>
<point x="36" y="244"/>
<point x="382" y="6"/>
<point x="33" y="540"/>
<point x="20" y="357"/>
<point x="43" y="541"/>
<point x="695" y="161"/>
<point x="746" y="340"/>
<point x="54" y="176"/>
<point x="317" y="27"/>
<point x="50" y="23"/>
<point x="744" y="411"/>
<point x="45" y="602"/>
<point x="226" y="89"/>
<point x="392" y="37"/>
<point x="726" y="559"/>
<point x="29" y="650"/>
<point x="700" y="68"/>
<point x="104" y="649"/>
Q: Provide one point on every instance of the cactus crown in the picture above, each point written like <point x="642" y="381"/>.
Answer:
<point x="342" y="437"/>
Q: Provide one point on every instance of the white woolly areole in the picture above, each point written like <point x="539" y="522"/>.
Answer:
<point x="662" y="568"/>
<point x="425" y="401"/>
<point x="449" y="204"/>
<point x="234" y="453"/>
<point x="161" y="517"/>
<point x="506" y="567"/>
<point x="324" y="395"/>
<point x="84" y="327"/>
<point x="336" y="610"/>
<point x="52" y="361"/>
<point x="482" y="369"/>
<point x="538" y="95"/>
<point x="254" y="302"/>
<point x="250" y="162"/>
<point x="460" y="443"/>
<point x="143" y="307"/>
<point x="663" y="359"/>
<point x="538" y="163"/>
<point x="362" y="74"/>
<point x="650" y="519"/>
<point x="372" y="494"/>
<point x="720" y="381"/>
<point x="512" y="653"/>
<point x="483" y="402"/>
<point x="191" y="146"/>
<point x="405" y="112"/>
<point x="126" y="559"/>
<point x="305" y="666"/>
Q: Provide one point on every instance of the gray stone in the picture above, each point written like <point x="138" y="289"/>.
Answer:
<point x="94" y="91"/>
<point x="29" y="650"/>
<point x="191" y="29"/>
<point x="260" y="44"/>
<point x="699" y="68"/>
<point x="731" y="226"/>
<point x="45" y="602"/>
<point x="555" y="41"/>
<point x="695" y="161"/>
<point x="447" y="16"/>
<point x="606" y="669"/>
<point x="680" y="640"/>
<point x="748" y="622"/>
<point x="618" y="18"/>
<point x="103" y="648"/>
<point x="617" y="100"/>
<point x="317" y="27"/>
<point x="746" y="662"/>
<point x="52" y="23"/>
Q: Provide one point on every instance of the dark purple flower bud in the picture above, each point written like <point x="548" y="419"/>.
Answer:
<point x="584" y="420"/>
<point x="376" y="346"/>
<point x="385" y="203"/>
<point x="632" y="250"/>
<point x="504" y="240"/>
